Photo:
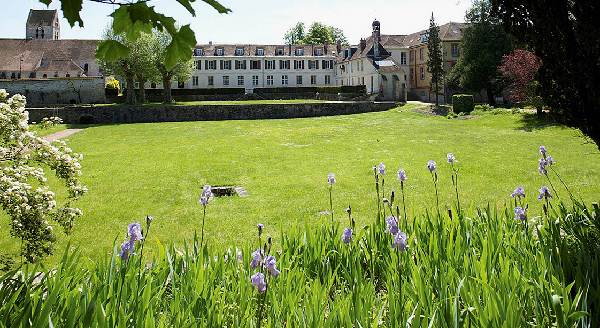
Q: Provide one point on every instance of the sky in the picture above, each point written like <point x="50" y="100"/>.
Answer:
<point x="257" y="21"/>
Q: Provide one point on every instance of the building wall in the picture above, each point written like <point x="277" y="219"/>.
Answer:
<point x="58" y="91"/>
<point x="420" y="78"/>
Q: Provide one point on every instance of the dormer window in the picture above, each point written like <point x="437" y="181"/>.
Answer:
<point x="260" y="52"/>
<point x="220" y="51"/>
<point x="239" y="51"/>
<point x="198" y="52"/>
<point x="279" y="52"/>
<point x="299" y="52"/>
<point x="424" y="38"/>
<point x="318" y="52"/>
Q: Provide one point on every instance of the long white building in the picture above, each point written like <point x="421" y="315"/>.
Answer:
<point x="261" y="66"/>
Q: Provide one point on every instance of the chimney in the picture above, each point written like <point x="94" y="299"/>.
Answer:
<point x="376" y="38"/>
<point x="363" y="44"/>
<point x="338" y="46"/>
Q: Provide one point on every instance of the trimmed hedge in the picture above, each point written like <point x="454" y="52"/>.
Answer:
<point x="462" y="103"/>
<point x="358" y="89"/>
<point x="194" y="92"/>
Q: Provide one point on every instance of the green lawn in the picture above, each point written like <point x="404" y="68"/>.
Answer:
<point x="137" y="169"/>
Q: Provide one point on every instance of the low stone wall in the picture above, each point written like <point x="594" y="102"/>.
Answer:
<point x="166" y="113"/>
<point x="74" y="90"/>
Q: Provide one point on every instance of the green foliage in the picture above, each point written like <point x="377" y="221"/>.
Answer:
<point x="435" y="60"/>
<point x="133" y="18"/>
<point x="483" y="45"/>
<point x="462" y="103"/>
<point x="318" y="33"/>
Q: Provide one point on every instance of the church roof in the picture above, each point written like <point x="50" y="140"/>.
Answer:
<point x="41" y="17"/>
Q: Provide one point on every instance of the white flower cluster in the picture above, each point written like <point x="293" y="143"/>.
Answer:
<point x="24" y="194"/>
<point x="50" y="121"/>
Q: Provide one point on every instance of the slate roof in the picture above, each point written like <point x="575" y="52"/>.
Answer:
<point x="60" y="55"/>
<point x="269" y="50"/>
<point x="41" y="17"/>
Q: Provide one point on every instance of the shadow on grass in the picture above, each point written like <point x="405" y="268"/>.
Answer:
<point x="533" y="122"/>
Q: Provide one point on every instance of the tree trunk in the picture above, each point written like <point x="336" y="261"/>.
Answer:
<point x="142" y="91"/>
<point x="490" y="95"/>
<point x="167" y="98"/>
<point x="130" y="89"/>
<point x="538" y="110"/>
<point x="437" y="102"/>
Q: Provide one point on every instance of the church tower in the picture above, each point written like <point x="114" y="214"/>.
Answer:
<point x="42" y="25"/>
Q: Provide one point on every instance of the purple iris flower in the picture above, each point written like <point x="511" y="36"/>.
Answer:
<point x="127" y="248"/>
<point x="381" y="168"/>
<point x="520" y="214"/>
<point x="402" y="175"/>
<point x="542" y="166"/>
<point x="347" y="236"/>
<point x="135" y="232"/>
<point x="206" y="195"/>
<point x="400" y="241"/>
<point x="256" y="259"/>
<point x="518" y="192"/>
<point x="549" y="160"/>
<point x="258" y="281"/>
<point x="431" y="166"/>
<point x="331" y="178"/>
<point x="544" y="193"/>
<point x="392" y="224"/>
<point x="271" y="265"/>
<point x="543" y="151"/>
<point x="260" y="227"/>
<point x="451" y="158"/>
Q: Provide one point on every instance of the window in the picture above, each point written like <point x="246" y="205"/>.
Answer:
<point x="198" y="52"/>
<point x="299" y="52"/>
<point x="422" y="73"/>
<point x="211" y="80"/>
<point x="225" y="80"/>
<point x="424" y="38"/>
<point x="255" y="64"/>
<point x="269" y="79"/>
<point x="313" y="79"/>
<point x="240" y="80"/>
<point x="313" y="64"/>
<point x="284" y="64"/>
<point x="362" y="80"/>
<point x="318" y="52"/>
<point x="325" y="64"/>
<point x="260" y="52"/>
<point x="240" y="64"/>
<point x="225" y="64"/>
<point x="239" y="51"/>
<point x="298" y="64"/>
<point x="153" y="85"/>
<point x="327" y="79"/>
<point x="86" y="67"/>
<point x="284" y="80"/>
<point x="269" y="64"/>
<point x="454" y="49"/>
<point x="198" y="64"/>
<point x="279" y="52"/>
<point x="180" y="84"/>
<point x="299" y="79"/>
<point x="403" y="58"/>
<point x="412" y="56"/>
<point x="220" y="51"/>
<point x="255" y="80"/>
<point x="210" y="64"/>
<point x="421" y="54"/>
<point x="195" y="81"/>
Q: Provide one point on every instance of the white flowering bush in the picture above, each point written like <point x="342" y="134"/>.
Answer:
<point x="48" y="122"/>
<point x="24" y="194"/>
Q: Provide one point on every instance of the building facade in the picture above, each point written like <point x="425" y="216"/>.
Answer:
<point x="394" y="67"/>
<point x="42" y="25"/>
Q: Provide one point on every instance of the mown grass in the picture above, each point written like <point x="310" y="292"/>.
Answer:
<point x="135" y="170"/>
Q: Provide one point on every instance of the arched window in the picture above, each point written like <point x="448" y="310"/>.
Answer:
<point x="85" y="68"/>
<point x="68" y="75"/>
<point x="45" y="76"/>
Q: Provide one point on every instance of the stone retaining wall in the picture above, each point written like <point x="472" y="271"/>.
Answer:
<point x="164" y="113"/>
<point x="73" y="90"/>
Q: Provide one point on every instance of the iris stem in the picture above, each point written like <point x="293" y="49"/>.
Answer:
<point x="203" y="217"/>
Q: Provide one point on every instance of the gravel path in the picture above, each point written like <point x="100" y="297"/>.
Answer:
<point x="61" y="134"/>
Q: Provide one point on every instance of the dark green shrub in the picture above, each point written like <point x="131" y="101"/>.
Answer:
<point x="462" y="103"/>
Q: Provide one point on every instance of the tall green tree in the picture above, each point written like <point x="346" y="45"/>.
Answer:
<point x="134" y="17"/>
<point x="435" y="61"/>
<point x="143" y="58"/>
<point x="566" y="36"/>
<point x="317" y="33"/>
<point x="483" y="45"/>
<point x="295" y="34"/>
<point x="181" y="71"/>
<point x="122" y="67"/>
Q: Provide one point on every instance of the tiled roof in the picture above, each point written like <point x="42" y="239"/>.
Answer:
<point x="60" y="65"/>
<point x="41" y="17"/>
<point x="38" y="53"/>
<point x="269" y="50"/>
